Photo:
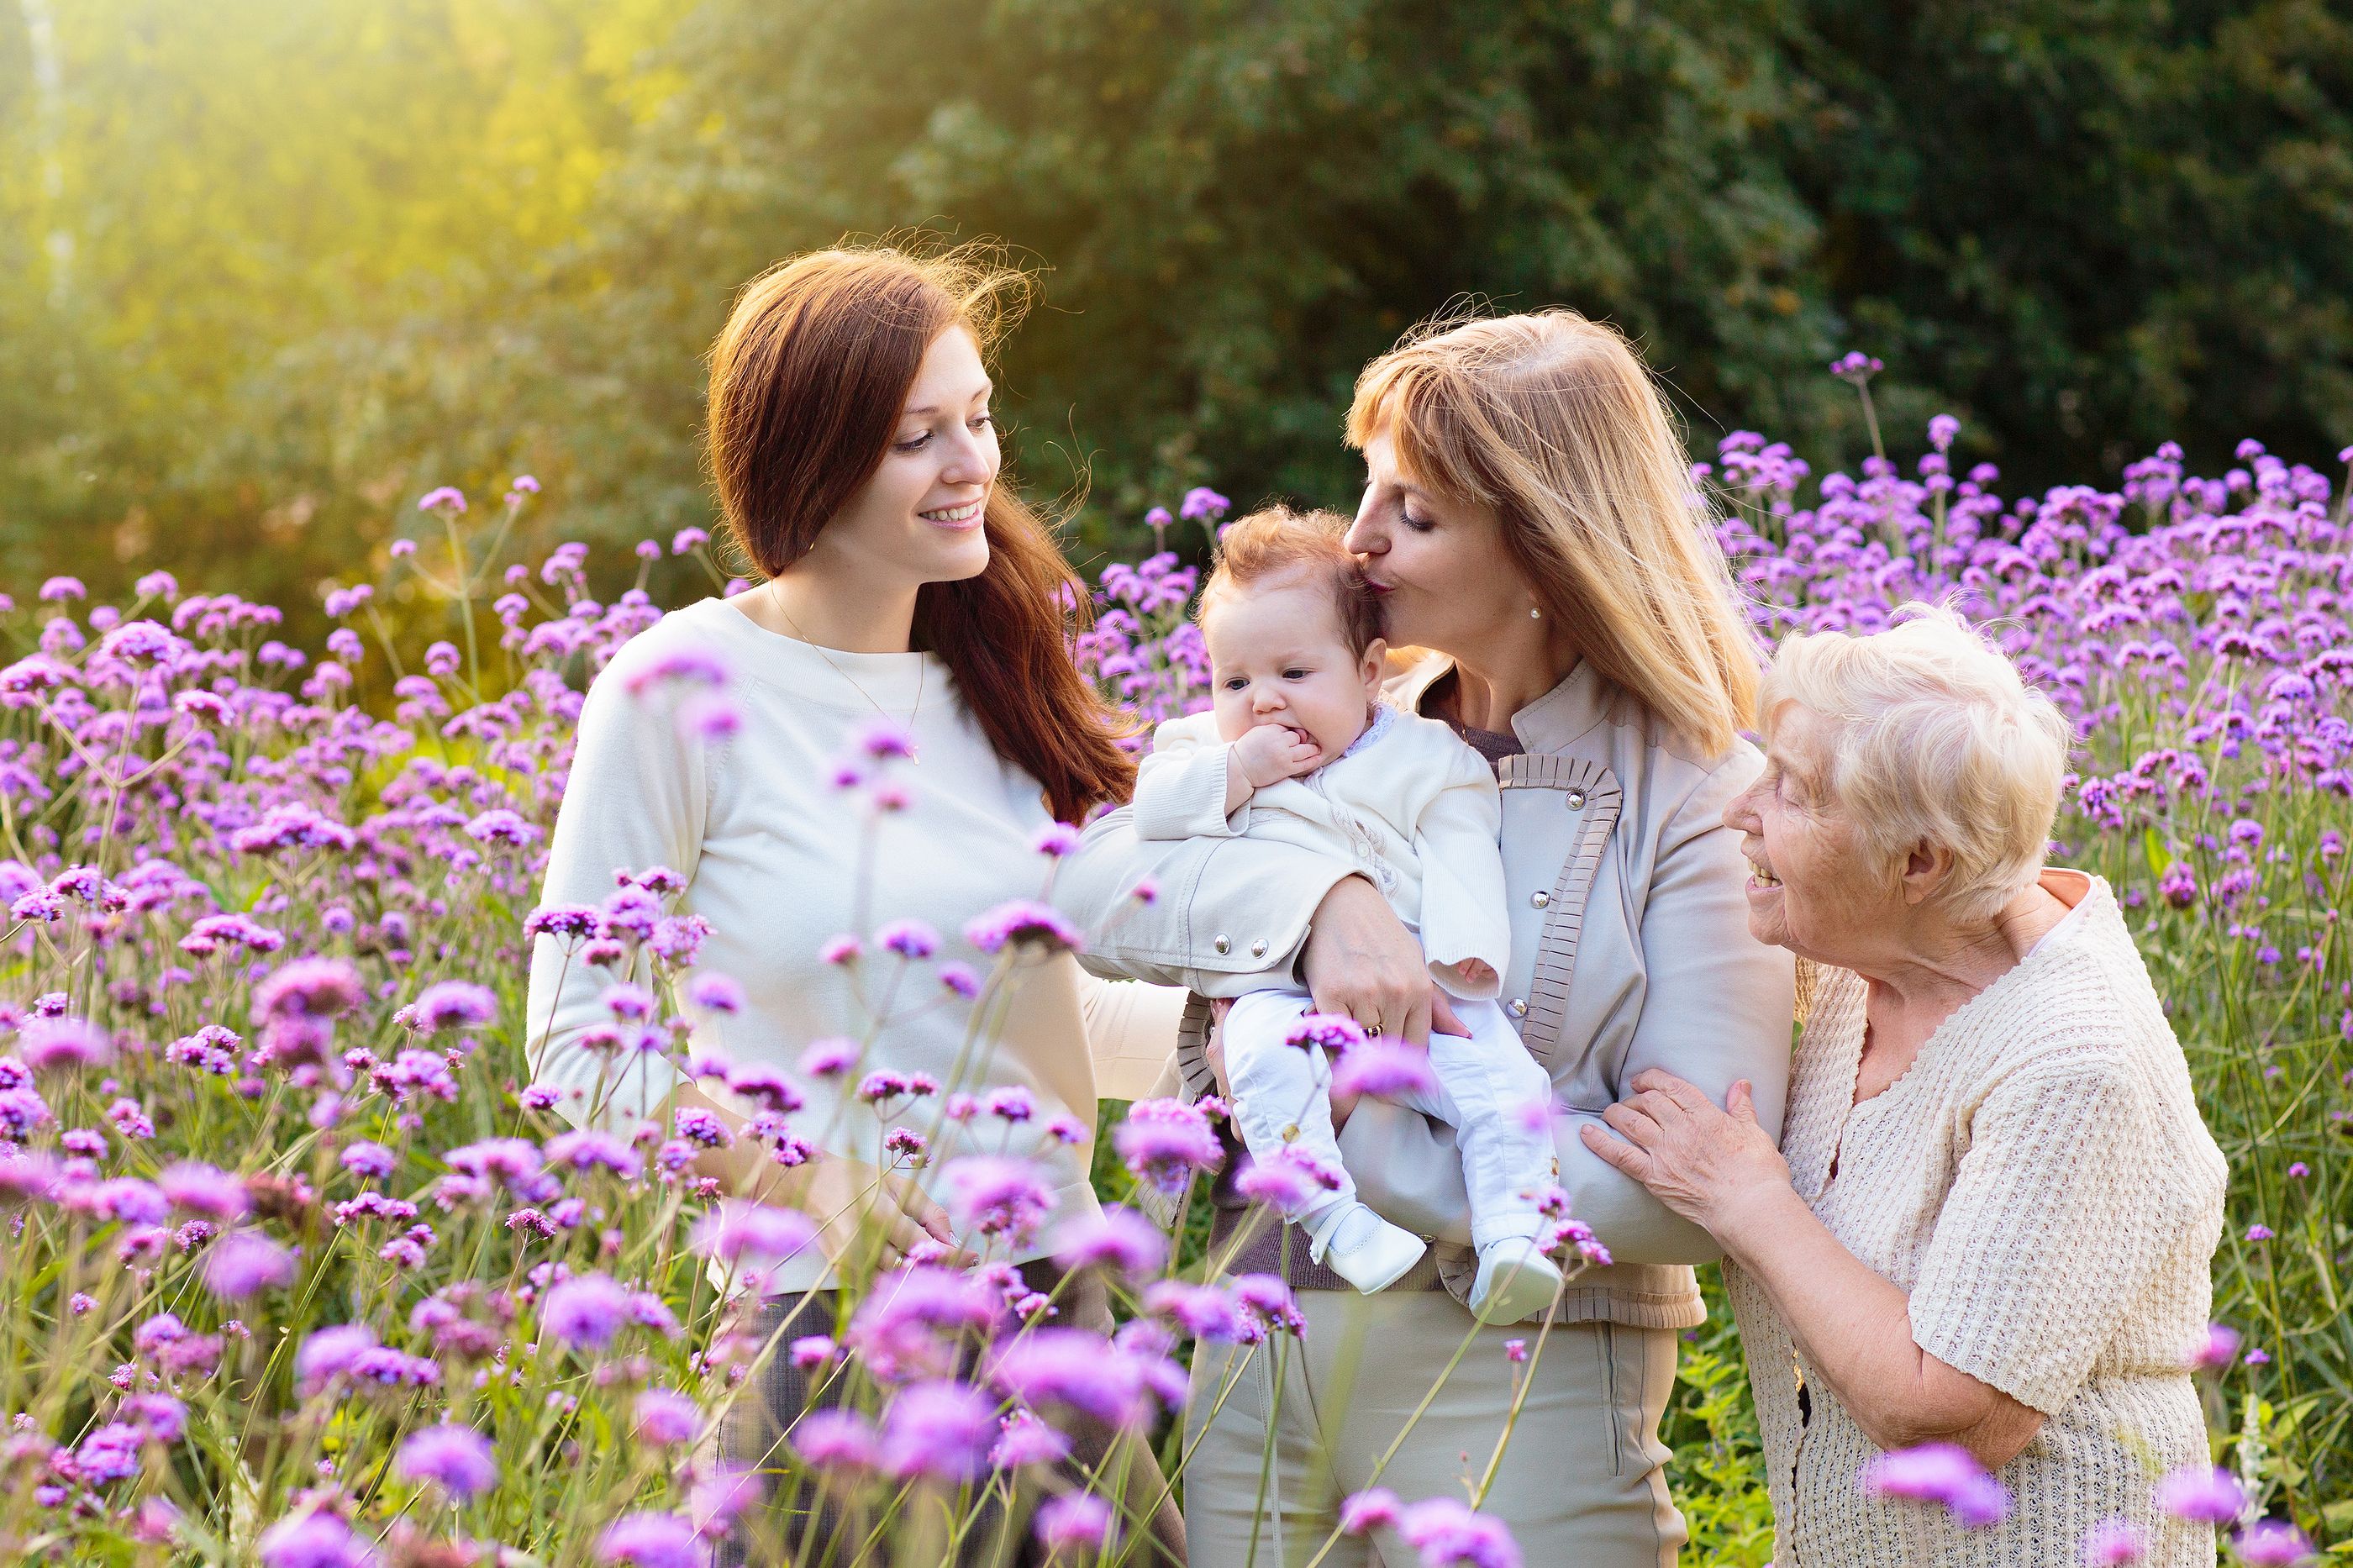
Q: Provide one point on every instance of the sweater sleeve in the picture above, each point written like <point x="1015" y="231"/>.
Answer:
<point x="1155" y="911"/>
<point x="638" y="796"/>
<point x="2058" y="1215"/>
<point x="1717" y="1005"/>
<point x="1180" y="788"/>
<point x="1455" y="842"/>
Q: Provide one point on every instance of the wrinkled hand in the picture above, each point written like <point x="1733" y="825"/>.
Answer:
<point x="1700" y="1162"/>
<point x="1268" y="753"/>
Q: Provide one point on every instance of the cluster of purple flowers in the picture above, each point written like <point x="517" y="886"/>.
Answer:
<point x="261" y="1056"/>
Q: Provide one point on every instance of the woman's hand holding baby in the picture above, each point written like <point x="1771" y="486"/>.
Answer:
<point x="1268" y="754"/>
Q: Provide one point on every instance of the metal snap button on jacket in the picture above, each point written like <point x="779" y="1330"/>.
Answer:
<point x="1221" y="942"/>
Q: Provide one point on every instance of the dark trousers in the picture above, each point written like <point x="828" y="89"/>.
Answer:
<point x="801" y="1524"/>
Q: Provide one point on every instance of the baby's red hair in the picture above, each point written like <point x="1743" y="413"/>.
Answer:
<point x="1276" y="542"/>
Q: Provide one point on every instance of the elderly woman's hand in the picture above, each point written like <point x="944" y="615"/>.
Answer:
<point x="1700" y="1162"/>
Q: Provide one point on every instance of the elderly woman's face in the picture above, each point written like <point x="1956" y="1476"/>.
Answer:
<point x="1812" y="891"/>
<point x="1438" y="564"/>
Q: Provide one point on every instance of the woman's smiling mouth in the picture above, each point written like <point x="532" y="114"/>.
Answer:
<point x="954" y="516"/>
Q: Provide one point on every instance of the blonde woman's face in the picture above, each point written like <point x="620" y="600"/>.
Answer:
<point x="1438" y="564"/>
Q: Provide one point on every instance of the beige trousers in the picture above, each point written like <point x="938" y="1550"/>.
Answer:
<point x="1579" y="1483"/>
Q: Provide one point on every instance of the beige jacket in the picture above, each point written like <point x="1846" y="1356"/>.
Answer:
<point x="1629" y="949"/>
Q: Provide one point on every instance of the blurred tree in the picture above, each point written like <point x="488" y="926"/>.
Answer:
<point x="256" y="257"/>
<point x="1239" y="204"/>
<point x="2093" y="225"/>
<point x="270" y="268"/>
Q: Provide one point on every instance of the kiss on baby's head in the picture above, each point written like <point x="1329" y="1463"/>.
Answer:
<point x="1292" y="630"/>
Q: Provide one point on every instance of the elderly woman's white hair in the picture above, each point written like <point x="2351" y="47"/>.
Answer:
<point x="1937" y="741"/>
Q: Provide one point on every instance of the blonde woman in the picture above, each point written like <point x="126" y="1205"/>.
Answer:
<point x="1528" y="522"/>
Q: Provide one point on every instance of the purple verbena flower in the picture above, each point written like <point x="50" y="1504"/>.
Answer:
<point x="1943" y="1473"/>
<point x="1117" y="1238"/>
<point x="1026" y="923"/>
<point x="1377" y="1507"/>
<point x="648" y="1540"/>
<point x="908" y="939"/>
<point x="752" y="1234"/>
<point x="246" y="1263"/>
<point x="330" y="1352"/>
<point x="2272" y="1543"/>
<point x="456" y="1457"/>
<point x="315" y="1540"/>
<point x="998" y="1196"/>
<point x="2201" y="1493"/>
<point x="938" y="1431"/>
<point x="667" y="1418"/>
<point x="1385" y="1069"/>
<point x="1023" y="1440"/>
<point x="455" y="1005"/>
<point x="61" y="1043"/>
<point x="1165" y="1141"/>
<point x="1446" y="1532"/>
<point x="1075" y="1521"/>
<point x="203" y="1189"/>
<point x="836" y="1442"/>
<point x="585" y="1311"/>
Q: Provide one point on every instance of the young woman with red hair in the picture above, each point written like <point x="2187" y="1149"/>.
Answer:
<point x="905" y="588"/>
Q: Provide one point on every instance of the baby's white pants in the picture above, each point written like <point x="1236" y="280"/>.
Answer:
<point x="1496" y="1095"/>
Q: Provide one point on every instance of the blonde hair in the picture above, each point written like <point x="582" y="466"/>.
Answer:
<point x="1552" y="421"/>
<point x="1278" y="540"/>
<point x="1938" y="741"/>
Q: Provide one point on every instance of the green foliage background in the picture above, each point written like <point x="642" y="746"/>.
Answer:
<point x="270" y="269"/>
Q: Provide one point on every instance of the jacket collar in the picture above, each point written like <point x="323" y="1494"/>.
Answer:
<point x="1547" y="725"/>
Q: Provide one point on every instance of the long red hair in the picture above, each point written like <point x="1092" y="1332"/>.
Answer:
<point x="807" y="382"/>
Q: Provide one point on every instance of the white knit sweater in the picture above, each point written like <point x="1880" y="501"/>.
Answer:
<point x="776" y="858"/>
<point x="2042" y="1186"/>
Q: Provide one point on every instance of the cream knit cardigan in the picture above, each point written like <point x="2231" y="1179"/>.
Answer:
<point x="2042" y="1186"/>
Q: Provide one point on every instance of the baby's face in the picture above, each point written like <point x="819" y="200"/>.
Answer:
<point x="1277" y="656"/>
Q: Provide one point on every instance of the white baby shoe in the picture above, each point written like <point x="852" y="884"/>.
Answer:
<point x="1365" y="1249"/>
<point x="1515" y="1279"/>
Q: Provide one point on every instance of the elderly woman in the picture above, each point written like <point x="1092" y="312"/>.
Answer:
<point x="1991" y="1214"/>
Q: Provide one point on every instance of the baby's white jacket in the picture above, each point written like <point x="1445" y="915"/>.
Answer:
<point x="1408" y="804"/>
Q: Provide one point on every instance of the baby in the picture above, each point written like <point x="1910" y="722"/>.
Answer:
<point x="1300" y="748"/>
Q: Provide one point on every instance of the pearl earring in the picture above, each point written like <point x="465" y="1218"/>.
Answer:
<point x="1534" y="614"/>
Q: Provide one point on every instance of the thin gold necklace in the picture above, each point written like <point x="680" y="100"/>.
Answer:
<point x="923" y="669"/>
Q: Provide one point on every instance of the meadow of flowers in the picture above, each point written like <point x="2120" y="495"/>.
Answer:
<point x="300" y="1269"/>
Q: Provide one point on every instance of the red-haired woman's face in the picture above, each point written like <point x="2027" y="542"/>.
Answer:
<point x="918" y="520"/>
<point x="1445" y="580"/>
